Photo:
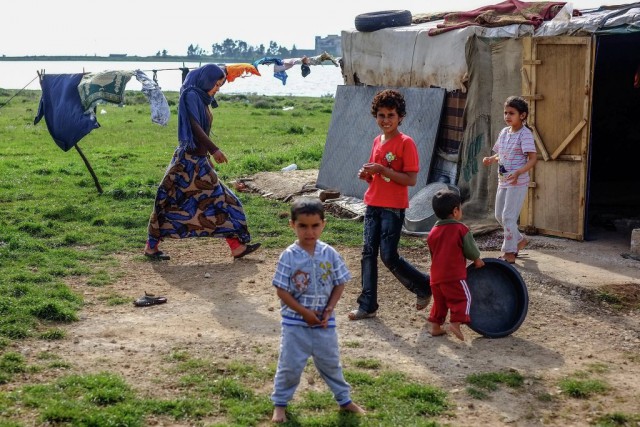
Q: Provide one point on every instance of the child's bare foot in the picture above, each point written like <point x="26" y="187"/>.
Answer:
<point x="522" y="244"/>
<point x="352" y="407"/>
<point x="509" y="257"/>
<point x="279" y="415"/>
<point x="454" y="328"/>
<point x="436" y="330"/>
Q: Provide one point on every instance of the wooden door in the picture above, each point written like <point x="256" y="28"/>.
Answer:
<point x="556" y="80"/>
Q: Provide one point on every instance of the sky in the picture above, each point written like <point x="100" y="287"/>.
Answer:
<point x="143" y="28"/>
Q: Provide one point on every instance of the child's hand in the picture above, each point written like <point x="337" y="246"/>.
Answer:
<point x="362" y="174"/>
<point x="326" y="315"/>
<point x="512" y="177"/>
<point x="372" y="168"/>
<point x="311" y="317"/>
<point x="479" y="263"/>
<point x="488" y="160"/>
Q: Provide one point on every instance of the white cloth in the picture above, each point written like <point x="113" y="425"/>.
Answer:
<point x="159" y="105"/>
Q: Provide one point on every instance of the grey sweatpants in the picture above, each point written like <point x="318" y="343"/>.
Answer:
<point x="297" y="344"/>
<point x="509" y="202"/>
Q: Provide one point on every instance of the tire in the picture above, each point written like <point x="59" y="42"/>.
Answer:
<point x="373" y="21"/>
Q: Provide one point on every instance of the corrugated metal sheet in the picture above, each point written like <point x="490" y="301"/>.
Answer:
<point x="353" y="129"/>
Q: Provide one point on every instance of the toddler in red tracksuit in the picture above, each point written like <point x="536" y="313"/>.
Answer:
<point x="450" y="244"/>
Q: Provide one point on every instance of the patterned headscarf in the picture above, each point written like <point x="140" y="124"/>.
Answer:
<point x="194" y="101"/>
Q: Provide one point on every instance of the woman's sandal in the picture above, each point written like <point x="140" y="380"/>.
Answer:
<point x="248" y="249"/>
<point x="149" y="299"/>
<point x="359" y="314"/>
<point x="158" y="256"/>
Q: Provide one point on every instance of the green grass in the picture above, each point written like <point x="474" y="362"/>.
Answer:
<point x="205" y="390"/>
<point x="617" y="419"/>
<point x="582" y="388"/>
<point x="482" y="383"/>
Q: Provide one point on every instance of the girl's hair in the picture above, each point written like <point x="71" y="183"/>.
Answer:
<point x="307" y="206"/>
<point x="520" y="105"/>
<point x="391" y="99"/>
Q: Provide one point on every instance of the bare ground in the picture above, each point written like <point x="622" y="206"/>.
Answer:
<point x="221" y="310"/>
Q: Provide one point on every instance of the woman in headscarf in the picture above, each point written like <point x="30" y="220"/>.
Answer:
<point x="191" y="201"/>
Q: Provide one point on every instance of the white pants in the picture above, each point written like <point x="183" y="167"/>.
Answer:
<point x="509" y="202"/>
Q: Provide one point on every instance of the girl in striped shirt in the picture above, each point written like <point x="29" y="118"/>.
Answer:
<point x="515" y="153"/>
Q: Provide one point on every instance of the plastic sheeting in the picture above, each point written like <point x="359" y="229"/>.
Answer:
<point x="409" y="57"/>
<point x="495" y="75"/>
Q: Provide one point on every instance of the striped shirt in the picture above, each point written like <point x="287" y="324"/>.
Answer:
<point x="309" y="279"/>
<point x="512" y="148"/>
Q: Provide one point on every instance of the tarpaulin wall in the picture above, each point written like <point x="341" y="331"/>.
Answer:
<point x="495" y="74"/>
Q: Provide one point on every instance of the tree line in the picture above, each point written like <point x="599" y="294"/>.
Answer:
<point x="230" y="48"/>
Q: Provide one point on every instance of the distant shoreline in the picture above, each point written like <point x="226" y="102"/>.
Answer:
<point x="122" y="58"/>
<point x="127" y="58"/>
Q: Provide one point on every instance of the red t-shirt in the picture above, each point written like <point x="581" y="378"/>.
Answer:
<point x="400" y="154"/>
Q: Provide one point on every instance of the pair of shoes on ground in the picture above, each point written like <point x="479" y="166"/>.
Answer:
<point x="157" y="256"/>
<point x="359" y="314"/>
<point x="422" y="302"/>
<point x="248" y="249"/>
<point x="149" y="299"/>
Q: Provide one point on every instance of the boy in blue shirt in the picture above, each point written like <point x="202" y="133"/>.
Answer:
<point x="309" y="278"/>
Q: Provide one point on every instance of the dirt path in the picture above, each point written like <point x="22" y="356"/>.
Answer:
<point x="224" y="310"/>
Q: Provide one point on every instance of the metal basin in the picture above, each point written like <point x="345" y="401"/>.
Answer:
<point x="419" y="217"/>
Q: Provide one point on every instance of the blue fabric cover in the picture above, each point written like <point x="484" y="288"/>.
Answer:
<point x="194" y="101"/>
<point x="267" y="60"/>
<point x="62" y="110"/>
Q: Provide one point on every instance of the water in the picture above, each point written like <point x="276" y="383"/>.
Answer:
<point x="323" y="79"/>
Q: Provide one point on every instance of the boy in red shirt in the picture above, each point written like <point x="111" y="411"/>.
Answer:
<point x="450" y="245"/>
<point x="393" y="166"/>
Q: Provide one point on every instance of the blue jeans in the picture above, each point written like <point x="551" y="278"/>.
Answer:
<point x="382" y="229"/>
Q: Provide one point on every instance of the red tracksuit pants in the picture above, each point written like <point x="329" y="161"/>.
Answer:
<point x="451" y="296"/>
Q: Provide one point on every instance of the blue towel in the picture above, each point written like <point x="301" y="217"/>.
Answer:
<point x="62" y="110"/>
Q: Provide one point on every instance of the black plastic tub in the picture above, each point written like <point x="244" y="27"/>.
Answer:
<point x="499" y="298"/>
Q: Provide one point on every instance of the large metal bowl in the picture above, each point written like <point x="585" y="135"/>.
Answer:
<point x="419" y="217"/>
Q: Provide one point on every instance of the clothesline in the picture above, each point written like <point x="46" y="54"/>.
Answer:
<point x="235" y="70"/>
<point x="18" y="92"/>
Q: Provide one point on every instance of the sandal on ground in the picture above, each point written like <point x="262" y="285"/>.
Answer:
<point x="249" y="248"/>
<point x="159" y="255"/>
<point x="149" y="299"/>
<point x="359" y="314"/>
<point x="422" y="302"/>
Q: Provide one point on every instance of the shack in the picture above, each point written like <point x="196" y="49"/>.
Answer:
<point x="579" y="71"/>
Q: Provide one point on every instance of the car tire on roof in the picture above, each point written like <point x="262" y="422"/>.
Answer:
<point x="372" y="21"/>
